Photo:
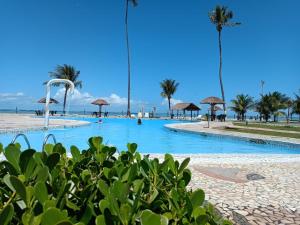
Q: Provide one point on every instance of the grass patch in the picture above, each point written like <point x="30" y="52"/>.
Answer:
<point x="264" y="132"/>
<point x="268" y="126"/>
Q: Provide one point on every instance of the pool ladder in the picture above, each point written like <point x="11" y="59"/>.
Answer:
<point x="46" y="139"/>
<point x="25" y="138"/>
<point x="27" y="142"/>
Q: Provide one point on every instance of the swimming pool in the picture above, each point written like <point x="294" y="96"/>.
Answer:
<point x="151" y="137"/>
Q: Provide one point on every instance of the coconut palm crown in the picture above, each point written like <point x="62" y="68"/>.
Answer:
<point x="169" y="87"/>
<point x="241" y="104"/>
<point x="66" y="72"/>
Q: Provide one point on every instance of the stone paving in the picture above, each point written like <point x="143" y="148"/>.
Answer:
<point x="272" y="200"/>
<point x="214" y="129"/>
<point x="20" y="123"/>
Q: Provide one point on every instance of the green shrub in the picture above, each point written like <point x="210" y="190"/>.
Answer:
<point x="97" y="186"/>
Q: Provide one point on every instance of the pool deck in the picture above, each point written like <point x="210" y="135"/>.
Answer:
<point x="272" y="200"/>
<point x="216" y="129"/>
<point x="12" y="123"/>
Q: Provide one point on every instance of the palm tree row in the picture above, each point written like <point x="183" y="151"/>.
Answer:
<point x="271" y="104"/>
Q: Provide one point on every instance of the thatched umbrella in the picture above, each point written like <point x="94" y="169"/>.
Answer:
<point x="186" y="107"/>
<point x="100" y="103"/>
<point x="52" y="100"/>
<point x="213" y="101"/>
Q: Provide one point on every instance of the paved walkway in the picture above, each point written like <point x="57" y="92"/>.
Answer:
<point x="18" y="123"/>
<point x="274" y="199"/>
<point x="201" y="127"/>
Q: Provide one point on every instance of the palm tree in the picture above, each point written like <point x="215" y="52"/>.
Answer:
<point x="134" y="3"/>
<point x="264" y="106"/>
<point x="289" y="105"/>
<point x="279" y="101"/>
<point x="66" y="72"/>
<point x="241" y="104"/>
<point x="169" y="87"/>
<point x="296" y="105"/>
<point x="220" y="17"/>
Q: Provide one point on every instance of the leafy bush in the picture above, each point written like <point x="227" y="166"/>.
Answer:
<point x="97" y="186"/>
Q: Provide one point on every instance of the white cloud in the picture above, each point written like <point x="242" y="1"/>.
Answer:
<point x="6" y="97"/>
<point x="77" y="98"/>
<point x="174" y="101"/>
<point x="82" y="98"/>
<point x="115" y="99"/>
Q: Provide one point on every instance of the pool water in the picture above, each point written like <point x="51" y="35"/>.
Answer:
<point x="151" y="137"/>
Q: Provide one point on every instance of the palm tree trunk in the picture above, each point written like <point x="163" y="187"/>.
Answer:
<point x="65" y="100"/>
<point x="128" y="58"/>
<point x="169" y="102"/>
<point x="220" y="72"/>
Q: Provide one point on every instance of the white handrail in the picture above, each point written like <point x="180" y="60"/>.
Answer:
<point x="48" y="87"/>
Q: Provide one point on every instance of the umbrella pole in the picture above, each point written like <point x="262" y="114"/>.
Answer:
<point x="100" y="106"/>
<point x="211" y="111"/>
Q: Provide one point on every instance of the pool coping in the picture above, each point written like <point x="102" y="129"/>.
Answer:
<point x="240" y="136"/>
<point x="41" y="128"/>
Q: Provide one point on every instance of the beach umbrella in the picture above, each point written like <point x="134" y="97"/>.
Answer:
<point x="212" y="101"/>
<point x="186" y="107"/>
<point x="52" y="100"/>
<point x="100" y="103"/>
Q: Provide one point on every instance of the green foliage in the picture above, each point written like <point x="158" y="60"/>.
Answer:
<point x="169" y="87"/>
<point x="241" y="104"/>
<point x="98" y="186"/>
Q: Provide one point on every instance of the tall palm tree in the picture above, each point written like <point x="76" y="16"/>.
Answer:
<point x="66" y="72"/>
<point x="220" y="17"/>
<point x="169" y="87"/>
<point x="134" y="3"/>
<point x="242" y="104"/>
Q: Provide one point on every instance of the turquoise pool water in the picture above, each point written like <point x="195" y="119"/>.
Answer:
<point x="151" y="136"/>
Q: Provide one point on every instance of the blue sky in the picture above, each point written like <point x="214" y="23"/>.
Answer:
<point x="169" y="39"/>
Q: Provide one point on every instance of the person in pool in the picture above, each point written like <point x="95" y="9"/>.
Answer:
<point x="139" y="121"/>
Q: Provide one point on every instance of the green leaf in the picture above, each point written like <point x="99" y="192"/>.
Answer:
<point x="132" y="147"/>
<point x="125" y="212"/>
<point x="202" y="220"/>
<point x="1" y="148"/>
<point x="6" y="214"/>
<point x="120" y="190"/>
<point x="97" y="141"/>
<point x="153" y="196"/>
<point x="100" y="220"/>
<point x="197" y="198"/>
<point x="150" y="218"/>
<point x="183" y="165"/>
<point x="103" y="204"/>
<point x="75" y="153"/>
<point x="59" y="148"/>
<point x="12" y="154"/>
<point x="19" y="187"/>
<point x="40" y="192"/>
<point x="87" y="215"/>
<point x="54" y="216"/>
<point x="52" y="160"/>
<point x="42" y="174"/>
<point x="103" y="187"/>
<point x="48" y="148"/>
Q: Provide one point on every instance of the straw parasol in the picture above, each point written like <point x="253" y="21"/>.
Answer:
<point x="186" y="107"/>
<point x="212" y="101"/>
<point x="100" y="103"/>
<point x="52" y="100"/>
